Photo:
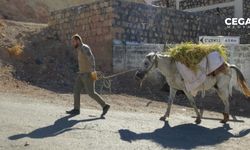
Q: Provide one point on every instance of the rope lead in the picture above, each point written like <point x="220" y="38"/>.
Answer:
<point x="106" y="80"/>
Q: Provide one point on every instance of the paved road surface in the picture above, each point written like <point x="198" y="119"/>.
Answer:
<point x="27" y="123"/>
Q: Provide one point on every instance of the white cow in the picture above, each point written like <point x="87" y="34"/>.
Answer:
<point x="222" y="81"/>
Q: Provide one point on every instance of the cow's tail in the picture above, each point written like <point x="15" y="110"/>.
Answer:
<point x="241" y="81"/>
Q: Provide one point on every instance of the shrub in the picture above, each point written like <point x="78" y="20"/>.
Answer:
<point x="16" y="50"/>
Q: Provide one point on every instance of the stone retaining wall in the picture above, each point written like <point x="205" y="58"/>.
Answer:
<point x="187" y="4"/>
<point x="226" y="12"/>
<point x="93" y="22"/>
<point x="144" y="23"/>
<point x="166" y="3"/>
<point x="246" y="8"/>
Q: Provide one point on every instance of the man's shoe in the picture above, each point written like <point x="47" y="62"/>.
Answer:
<point x="105" y="110"/>
<point x="73" y="112"/>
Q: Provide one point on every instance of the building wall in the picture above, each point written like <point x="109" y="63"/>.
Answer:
<point x="165" y="3"/>
<point x="246" y="8"/>
<point x="187" y="4"/>
<point x="225" y="9"/>
<point x="226" y="12"/>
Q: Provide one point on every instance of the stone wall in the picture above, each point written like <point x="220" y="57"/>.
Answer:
<point x="246" y="8"/>
<point x="225" y="12"/>
<point x="93" y="22"/>
<point x="144" y="23"/>
<point x="187" y="4"/>
<point x="166" y="3"/>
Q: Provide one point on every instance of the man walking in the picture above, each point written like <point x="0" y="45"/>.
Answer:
<point x="86" y="62"/>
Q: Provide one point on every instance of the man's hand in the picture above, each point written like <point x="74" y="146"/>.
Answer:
<point x="94" y="76"/>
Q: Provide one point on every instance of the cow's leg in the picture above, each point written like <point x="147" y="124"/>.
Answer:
<point x="224" y="96"/>
<point x="222" y="90"/>
<point x="192" y="103"/>
<point x="170" y="102"/>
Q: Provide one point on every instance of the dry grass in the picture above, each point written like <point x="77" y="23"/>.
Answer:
<point x="16" y="50"/>
<point x="191" y="54"/>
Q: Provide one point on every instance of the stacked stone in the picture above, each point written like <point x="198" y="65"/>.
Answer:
<point x="143" y="23"/>
<point x="165" y="3"/>
<point x="187" y="4"/>
<point x="246" y="8"/>
<point x="136" y="22"/>
<point x="241" y="31"/>
<point x="172" y="3"/>
<point x="93" y="22"/>
<point x="226" y="12"/>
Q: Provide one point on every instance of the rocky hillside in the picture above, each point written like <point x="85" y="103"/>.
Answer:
<point x="36" y="10"/>
<point x="29" y="53"/>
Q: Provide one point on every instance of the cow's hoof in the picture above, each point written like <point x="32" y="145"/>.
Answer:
<point x="163" y="118"/>
<point x="198" y="121"/>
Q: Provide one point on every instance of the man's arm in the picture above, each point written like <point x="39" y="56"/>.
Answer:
<point x="90" y="56"/>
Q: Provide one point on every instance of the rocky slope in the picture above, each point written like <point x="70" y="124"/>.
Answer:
<point x="36" y="10"/>
<point x="30" y="54"/>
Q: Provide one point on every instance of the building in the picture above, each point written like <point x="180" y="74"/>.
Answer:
<point x="227" y="8"/>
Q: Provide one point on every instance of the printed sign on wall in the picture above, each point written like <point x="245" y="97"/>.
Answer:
<point x="226" y="40"/>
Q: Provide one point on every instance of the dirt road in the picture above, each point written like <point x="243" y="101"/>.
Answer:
<point x="29" y="123"/>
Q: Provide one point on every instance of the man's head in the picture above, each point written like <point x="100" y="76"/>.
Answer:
<point x="76" y="40"/>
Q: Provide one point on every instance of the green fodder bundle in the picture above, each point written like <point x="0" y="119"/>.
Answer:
<point x="191" y="54"/>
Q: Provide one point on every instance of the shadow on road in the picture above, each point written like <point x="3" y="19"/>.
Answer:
<point x="60" y="126"/>
<point x="185" y="136"/>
